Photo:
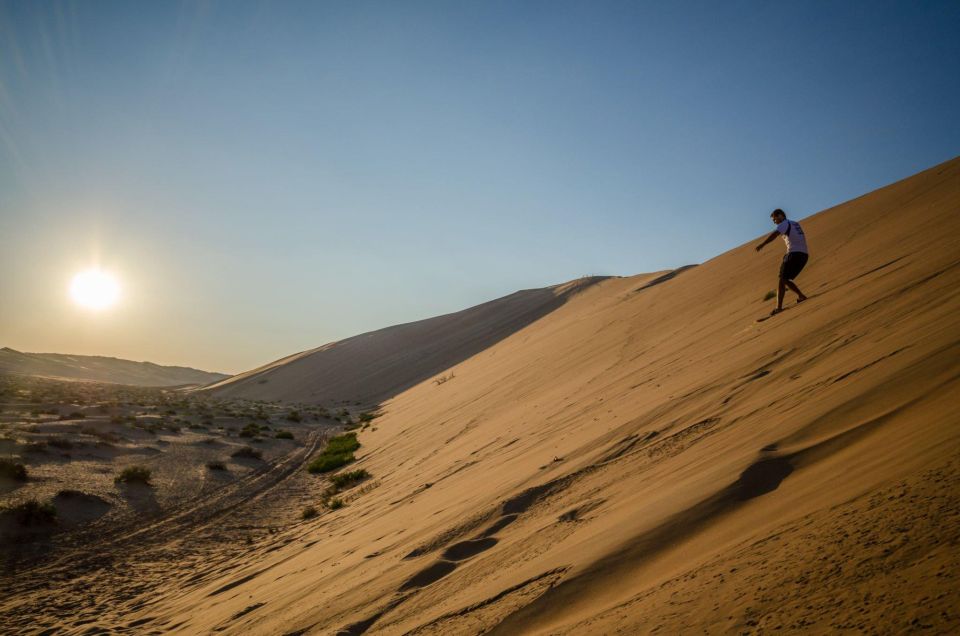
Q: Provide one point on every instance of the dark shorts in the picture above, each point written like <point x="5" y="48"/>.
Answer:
<point x="792" y="265"/>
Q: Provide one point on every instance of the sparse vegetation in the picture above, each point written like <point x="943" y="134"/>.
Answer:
<point x="134" y="475"/>
<point x="338" y="452"/>
<point x="247" y="453"/>
<point x="283" y="435"/>
<point x="35" y="447"/>
<point x="294" y="416"/>
<point x="345" y="480"/>
<point x="309" y="512"/>
<point x="251" y="429"/>
<point x="59" y="442"/>
<point x="216" y="465"/>
<point x="32" y="513"/>
<point x="11" y="470"/>
<point x="334" y="504"/>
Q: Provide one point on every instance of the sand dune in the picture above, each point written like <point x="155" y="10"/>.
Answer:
<point x="647" y="458"/>
<point x="101" y="369"/>
<point x="375" y="366"/>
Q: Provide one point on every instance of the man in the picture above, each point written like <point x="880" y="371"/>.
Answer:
<point x="795" y="258"/>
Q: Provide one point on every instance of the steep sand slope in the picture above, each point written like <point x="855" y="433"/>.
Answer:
<point x="101" y="369"/>
<point x="650" y="459"/>
<point x="379" y="364"/>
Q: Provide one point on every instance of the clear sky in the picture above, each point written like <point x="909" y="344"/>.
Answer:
<point x="265" y="177"/>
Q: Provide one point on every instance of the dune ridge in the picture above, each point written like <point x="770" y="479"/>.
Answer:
<point x="377" y="365"/>
<point x="102" y="369"/>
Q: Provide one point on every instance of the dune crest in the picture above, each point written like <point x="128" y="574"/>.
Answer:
<point x="378" y="365"/>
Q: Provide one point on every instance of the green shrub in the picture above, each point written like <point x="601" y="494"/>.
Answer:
<point x="134" y="475"/>
<point x="335" y="503"/>
<point x="309" y="512"/>
<point x="217" y="465"/>
<point x="345" y="480"/>
<point x="11" y="470"/>
<point x="284" y="435"/>
<point x="294" y="416"/>
<point x="250" y="430"/>
<point x="338" y="452"/>
<point x="247" y="453"/>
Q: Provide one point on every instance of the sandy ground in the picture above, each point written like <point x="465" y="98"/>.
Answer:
<point x="74" y="439"/>
<point x="645" y="458"/>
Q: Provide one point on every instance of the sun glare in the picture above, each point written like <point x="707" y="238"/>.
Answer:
<point x="95" y="289"/>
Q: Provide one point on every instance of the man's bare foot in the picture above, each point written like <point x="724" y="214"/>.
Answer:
<point x="776" y="311"/>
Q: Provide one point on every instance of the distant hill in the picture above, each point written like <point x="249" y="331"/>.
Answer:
<point x="378" y="365"/>
<point x="101" y="369"/>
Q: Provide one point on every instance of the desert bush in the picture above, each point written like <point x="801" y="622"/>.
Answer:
<point x="770" y="294"/>
<point x="134" y="475"/>
<point x="106" y="436"/>
<point x="294" y="416"/>
<point x="12" y="470"/>
<point x="247" y="453"/>
<point x="368" y="417"/>
<point x="59" y="442"/>
<point x="338" y="452"/>
<point x="284" y="435"/>
<point x="334" y="503"/>
<point x="250" y="430"/>
<point x="309" y="512"/>
<point x="35" y="447"/>
<point x="216" y="465"/>
<point x="345" y="480"/>
<point x="32" y="512"/>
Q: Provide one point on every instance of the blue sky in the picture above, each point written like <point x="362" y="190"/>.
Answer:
<point x="265" y="177"/>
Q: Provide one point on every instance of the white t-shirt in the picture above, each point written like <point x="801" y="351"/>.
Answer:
<point x="793" y="236"/>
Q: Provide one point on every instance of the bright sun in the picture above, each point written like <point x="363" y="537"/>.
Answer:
<point x="95" y="289"/>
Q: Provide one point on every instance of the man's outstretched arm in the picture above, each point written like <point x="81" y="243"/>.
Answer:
<point x="772" y="236"/>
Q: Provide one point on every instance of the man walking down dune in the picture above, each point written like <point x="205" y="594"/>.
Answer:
<point x="795" y="258"/>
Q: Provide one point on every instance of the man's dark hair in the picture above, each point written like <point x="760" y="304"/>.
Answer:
<point x="776" y="212"/>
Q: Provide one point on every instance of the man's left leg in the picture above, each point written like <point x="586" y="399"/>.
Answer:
<point x="792" y="285"/>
